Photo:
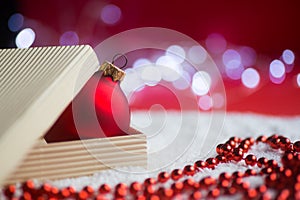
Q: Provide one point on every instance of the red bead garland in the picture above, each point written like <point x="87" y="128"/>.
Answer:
<point x="283" y="180"/>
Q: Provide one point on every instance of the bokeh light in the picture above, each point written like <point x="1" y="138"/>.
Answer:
<point x="69" y="38"/>
<point x="298" y="80"/>
<point x="15" y="22"/>
<point x="277" y="71"/>
<point x="177" y="52"/>
<point x="150" y="75"/>
<point x="288" y="57"/>
<point x="234" y="69"/>
<point x="205" y="102"/>
<point x="250" y="78"/>
<point x="131" y="82"/>
<point x="201" y="83"/>
<point x="230" y="55"/>
<point x="216" y="43"/>
<point x="169" y="68"/>
<point x="111" y="14"/>
<point x="248" y="56"/>
<point x="141" y="62"/>
<point x="218" y="100"/>
<point x="197" y="54"/>
<point x="25" y="38"/>
<point x="183" y="82"/>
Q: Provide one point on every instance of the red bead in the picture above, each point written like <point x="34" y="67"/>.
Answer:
<point x="207" y="182"/>
<point x="237" y="154"/>
<point x="221" y="159"/>
<point x="224" y="183"/>
<point x="165" y="193"/>
<point x="272" y="164"/>
<point x="89" y="189"/>
<point x="189" y="170"/>
<point x="214" y="193"/>
<point x="262" y="189"/>
<point x="250" y="172"/>
<point x="101" y="197"/>
<point x="211" y="163"/>
<point x="176" y="174"/>
<point x="224" y="176"/>
<point x="251" y="193"/>
<point x="196" y="195"/>
<point x="226" y="148"/>
<point x="219" y="149"/>
<point x="262" y="162"/>
<point x="9" y="191"/>
<point x="104" y="189"/>
<point x="250" y="159"/>
<point x="284" y="143"/>
<point x="163" y="177"/>
<point x="284" y="194"/>
<point x="261" y="139"/>
<point x="135" y="187"/>
<point x="200" y="164"/>
<point x="244" y="147"/>
<point x="251" y="140"/>
<point x="65" y="193"/>
<point x="232" y="143"/>
<point x="120" y="190"/>
<point x="149" y="181"/>
<point x="296" y="146"/>
<point x="188" y="183"/>
<point x="149" y="190"/>
<point x="83" y="195"/>
<point x="72" y="190"/>
<point x="28" y="186"/>
<point x="267" y="170"/>
<point x="177" y="187"/>
<point x="237" y="174"/>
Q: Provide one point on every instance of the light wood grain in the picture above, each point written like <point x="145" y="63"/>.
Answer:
<point x="36" y="85"/>
<point x="82" y="157"/>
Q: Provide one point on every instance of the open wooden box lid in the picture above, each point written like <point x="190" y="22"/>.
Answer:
<point x="37" y="84"/>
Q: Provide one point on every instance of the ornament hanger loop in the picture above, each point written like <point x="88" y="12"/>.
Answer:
<point x="118" y="56"/>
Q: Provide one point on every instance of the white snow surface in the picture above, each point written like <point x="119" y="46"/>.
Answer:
<point x="176" y="139"/>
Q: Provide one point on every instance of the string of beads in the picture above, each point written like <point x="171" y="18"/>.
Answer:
<point x="282" y="180"/>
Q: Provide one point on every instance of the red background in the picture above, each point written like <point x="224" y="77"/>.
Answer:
<point x="267" y="26"/>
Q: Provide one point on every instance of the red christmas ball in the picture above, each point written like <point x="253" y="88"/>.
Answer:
<point x="99" y="110"/>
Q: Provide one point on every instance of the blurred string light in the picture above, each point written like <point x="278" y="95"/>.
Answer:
<point x="141" y="62"/>
<point x="197" y="54"/>
<point x="183" y="82"/>
<point x="169" y="67"/>
<point x="111" y="14"/>
<point x="69" y="38"/>
<point x="177" y="53"/>
<point x="25" y="38"/>
<point x="233" y="64"/>
<point x="201" y="83"/>
<point x="218" y="100"/>
<point x="288" y="57"/>
<point x="248" y="56"/>
<point x="205" y="102"/>
<point x="15" y="22"/>
<point x="132" y="82"/>
<point x="216" y="43"/>
<point x="277" y="71"/>
<point x="250" y="78"/>
<point x="298" y="80"/>
<point x="151" y="75"/>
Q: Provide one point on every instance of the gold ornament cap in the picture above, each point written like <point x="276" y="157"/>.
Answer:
<point x="110" y="69"/>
